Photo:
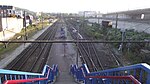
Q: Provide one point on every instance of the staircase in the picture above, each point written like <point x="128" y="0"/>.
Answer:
<point x="134" y="74"/>
<point x="16" y="77"/>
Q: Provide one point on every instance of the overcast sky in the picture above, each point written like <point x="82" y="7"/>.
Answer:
<point x="67" y="6"/>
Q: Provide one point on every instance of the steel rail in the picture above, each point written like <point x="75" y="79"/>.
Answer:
<point x="47" y="51"/>
<point x="82" y="51"/>
<point x="86" y="53"/>
<point x="41" y="58"/>
<point x="116" y="58"/>
<point x="26" y="55"/>
<point x="96" y="55"/>
<point x="19" y="57"/>
<point x="40" y="53"/>
<point x="92" y="53"/>
<point x="88" y="57"/>
<point x="82" y="57"/>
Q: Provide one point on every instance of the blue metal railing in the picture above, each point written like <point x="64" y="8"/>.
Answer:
<point x="48" y="75"/>
<point x="141" y="73"/>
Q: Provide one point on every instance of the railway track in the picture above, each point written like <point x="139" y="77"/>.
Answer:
<point x="34" y="57"/>
<point x="88" y="53"/>
<point x="95" y="59"/>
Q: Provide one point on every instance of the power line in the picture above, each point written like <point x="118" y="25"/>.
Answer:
<point x="71" y="41"/>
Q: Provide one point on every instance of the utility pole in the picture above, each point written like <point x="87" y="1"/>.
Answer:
<point x="2" y="25"/>
<point x="24" y="21"/>
<point x="6" y="19"/>
<point x="116" y="25"/>
<point x="98" y="16"/>
<point x="123" y="35"/>
<point x="42" y="19"/>
<point x="64" y="49"/>
<point x="4" y="16"/>
<point x="77" y="61"/>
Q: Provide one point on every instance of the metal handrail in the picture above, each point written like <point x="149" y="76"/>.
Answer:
<point x="82" y="72"/>
<point x="47" y="74"/>
<point x="3" y="71"/>
<point x="27" y="80"/>
<point x="143" y="66"/>
<point x="130" y="77"/>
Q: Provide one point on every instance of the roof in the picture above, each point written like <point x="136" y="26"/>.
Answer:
<point x="4" y="7"/>
<point x="130" y="12"/>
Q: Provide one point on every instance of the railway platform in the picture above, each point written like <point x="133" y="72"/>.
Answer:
<point x="57" y="57"/>
<point x="62" y="54"/>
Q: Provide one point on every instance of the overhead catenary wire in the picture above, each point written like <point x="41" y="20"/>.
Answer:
<point x="71" y="41"/>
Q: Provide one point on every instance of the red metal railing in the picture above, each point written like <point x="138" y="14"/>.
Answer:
<point x="130" y="77"/>
<point x="27" y="80"/>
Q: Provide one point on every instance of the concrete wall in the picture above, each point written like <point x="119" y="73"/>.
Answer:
<point x="124" y="16"/>
<point x="120" y="16"/>
<point x="146" y="16"/>
<point x="12" y="24"/>
<point x="127" y="16"/>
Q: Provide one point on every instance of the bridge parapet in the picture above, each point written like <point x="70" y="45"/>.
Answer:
<point x="14" y="77"/>
<point x="139" y="73"/>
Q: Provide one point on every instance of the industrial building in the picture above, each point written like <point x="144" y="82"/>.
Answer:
<point x="88" y="13"/>
<point x="130" y="14"/>
<point x="11" y="21"/>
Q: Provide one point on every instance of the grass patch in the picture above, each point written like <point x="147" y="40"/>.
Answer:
<point x="131" y="51"/>
<point x="31" y="30"/>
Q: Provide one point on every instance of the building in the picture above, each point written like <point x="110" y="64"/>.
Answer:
<point x="88" y="13"/>
<point x="99" y="14"/>
<point x="130" y="14"/>
<point x="11" y="20"/>
<point x="114" y="15"/>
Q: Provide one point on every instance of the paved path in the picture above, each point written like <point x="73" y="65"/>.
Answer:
<point x="57" y="57"/>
